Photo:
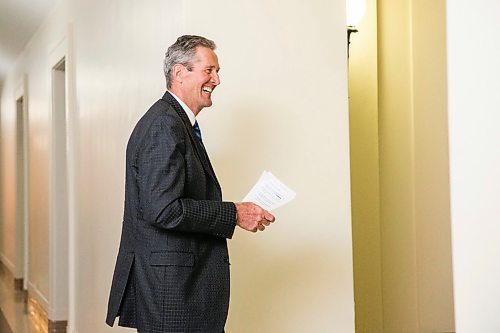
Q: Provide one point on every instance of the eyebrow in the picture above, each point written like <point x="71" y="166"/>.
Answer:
<point x="213" y="67"/>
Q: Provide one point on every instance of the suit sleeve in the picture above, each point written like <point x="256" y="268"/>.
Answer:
<point x="160" y="166"/>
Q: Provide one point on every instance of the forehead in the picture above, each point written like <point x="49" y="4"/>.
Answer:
<point x="205" y="57"/>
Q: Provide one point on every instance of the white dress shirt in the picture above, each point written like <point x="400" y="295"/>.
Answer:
<point x="189" y="113"/>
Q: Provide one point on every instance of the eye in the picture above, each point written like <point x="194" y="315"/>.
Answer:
<point x="209" y="70"/>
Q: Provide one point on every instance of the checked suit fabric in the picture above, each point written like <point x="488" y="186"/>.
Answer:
<point x="172" y="269"/>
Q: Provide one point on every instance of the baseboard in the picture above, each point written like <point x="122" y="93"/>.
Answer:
<point x="36" y="311"/>
<point x="7" y="263"/>
<point x="5" y="273"/>
<point x="37" y="295"/>
<point x="58" y="326"/>
<point x="18" y="284"/>
<point x="38" y="316"/>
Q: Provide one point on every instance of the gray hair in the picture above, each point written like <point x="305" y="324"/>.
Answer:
<point x="182" y="52"/>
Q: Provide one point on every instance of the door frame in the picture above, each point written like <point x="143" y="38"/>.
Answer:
<point x="62" y="303"/>
<point x="22" y="217"/>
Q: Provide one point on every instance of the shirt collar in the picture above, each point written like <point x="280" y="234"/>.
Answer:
<point x="189" y="112"/>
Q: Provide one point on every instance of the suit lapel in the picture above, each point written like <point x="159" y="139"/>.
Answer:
<point x="199" y="149"/>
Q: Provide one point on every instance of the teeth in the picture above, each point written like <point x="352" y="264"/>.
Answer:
<point x="207" y="89"/>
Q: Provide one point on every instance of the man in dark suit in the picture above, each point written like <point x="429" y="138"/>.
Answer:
<point x="172" y="270"/>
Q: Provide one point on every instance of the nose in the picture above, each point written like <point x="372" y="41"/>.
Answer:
<point x="215" y="78"/>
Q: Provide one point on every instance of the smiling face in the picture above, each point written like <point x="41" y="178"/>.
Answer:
<point x="194" y="83"/>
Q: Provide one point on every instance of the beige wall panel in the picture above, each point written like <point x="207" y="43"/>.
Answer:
<point x="365" y="185"/>
<point x="416" y="248"/>
<point x="432" y="190"/>
<point x="399" y="274"/>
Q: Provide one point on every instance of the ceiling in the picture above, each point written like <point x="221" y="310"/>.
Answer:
<point x="19" y="20"/>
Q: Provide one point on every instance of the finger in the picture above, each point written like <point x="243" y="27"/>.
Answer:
<point x="261" y="227"/>
<point x="266" y="222"/>
<point x="270" y="217"/>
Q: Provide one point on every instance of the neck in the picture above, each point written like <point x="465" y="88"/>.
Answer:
<point x="185" y="100"/>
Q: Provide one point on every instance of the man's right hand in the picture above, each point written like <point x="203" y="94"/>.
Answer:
<point x="252" y="217"/>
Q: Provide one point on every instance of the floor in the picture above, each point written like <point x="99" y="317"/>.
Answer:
<point x="4" y="327"/>
<point x="12" y="310"/>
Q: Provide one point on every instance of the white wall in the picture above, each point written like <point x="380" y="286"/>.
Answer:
<point x="474" y="105"/>
<point x="33" y="66"/>
<point x="8" y="181"/>
<point x="118" y="48"/>
<point x="282" y="106"/>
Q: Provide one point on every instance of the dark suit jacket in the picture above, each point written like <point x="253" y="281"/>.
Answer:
<point x="172" y="270"/>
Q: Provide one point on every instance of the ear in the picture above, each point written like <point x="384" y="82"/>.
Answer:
<point x="178" y="73"/>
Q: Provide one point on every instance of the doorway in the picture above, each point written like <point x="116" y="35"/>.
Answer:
<point x="22" y="243"/>
<point x="59" y="225"/>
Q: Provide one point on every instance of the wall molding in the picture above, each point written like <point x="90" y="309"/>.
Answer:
<point x="17" y="284"/>
<point x="59" y="326"/>
<point x="36" y="312"/>
<point x="7" y="263"/>
<point x="37" y="295"/>
<point x="5" y="272"/>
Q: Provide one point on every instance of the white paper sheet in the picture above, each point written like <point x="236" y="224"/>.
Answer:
<point x="269" y="192"/>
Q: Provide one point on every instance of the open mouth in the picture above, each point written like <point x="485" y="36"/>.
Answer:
<point x="207" y="89"/>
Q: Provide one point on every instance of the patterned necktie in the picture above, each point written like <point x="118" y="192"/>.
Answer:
<point x="197" y="131"/>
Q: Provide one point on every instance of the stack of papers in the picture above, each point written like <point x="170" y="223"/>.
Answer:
<point x="269" y="192"/>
